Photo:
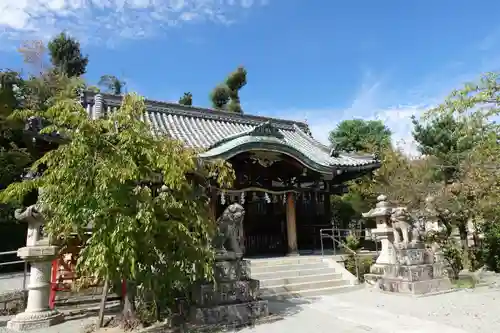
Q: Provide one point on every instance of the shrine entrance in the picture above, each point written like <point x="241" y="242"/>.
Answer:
<point x="268" y="185"/>
<point x="264" y="225"/>
<point x="284" y="190"/>
<point x="313" y="214"/>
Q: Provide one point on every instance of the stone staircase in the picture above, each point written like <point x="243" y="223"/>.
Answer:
<point x="301" y="276"/>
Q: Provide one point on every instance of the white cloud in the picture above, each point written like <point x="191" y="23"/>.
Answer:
<point x="373" y="101"/>
<point x="396" y="118"/>
<point x="110" y="20"/>
<point x="377" y="99"/>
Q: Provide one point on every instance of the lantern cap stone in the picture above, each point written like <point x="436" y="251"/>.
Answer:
<point x="382" y="208"/>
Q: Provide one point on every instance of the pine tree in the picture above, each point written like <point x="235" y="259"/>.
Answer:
<point x="66" y="56"/>
<point x="112" y="84"/>
<point x="226" y="95"/>
<point x="186" y="99"/>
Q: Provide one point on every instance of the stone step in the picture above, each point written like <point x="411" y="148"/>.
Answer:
<point x="288" y="267"/>
<point x="281" y="281"/>
<point x="277" y="296"/>
<point x="292" y="273"/>
<point x="301" y="286"/>
<point x="284" y="261"/>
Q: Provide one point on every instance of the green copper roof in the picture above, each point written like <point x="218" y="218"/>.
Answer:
<point x="224" y="134"/>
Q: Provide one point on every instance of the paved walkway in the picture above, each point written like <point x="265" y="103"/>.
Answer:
<point x="368" y="311"/>
<point x="326" y="316"/>
<point x="11" y="282"/>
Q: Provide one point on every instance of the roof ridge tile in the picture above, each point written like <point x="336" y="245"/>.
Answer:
<point x="197" y="112"/>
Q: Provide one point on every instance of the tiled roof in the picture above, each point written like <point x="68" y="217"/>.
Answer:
<point x="219" y="132"/>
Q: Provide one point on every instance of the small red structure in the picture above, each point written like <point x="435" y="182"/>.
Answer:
<point x="64" y="276"/>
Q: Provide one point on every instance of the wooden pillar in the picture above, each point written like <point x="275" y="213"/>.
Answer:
<point x="291" y="226"/>
<point x="212" y="208"/>
<point x="327" y="208"/>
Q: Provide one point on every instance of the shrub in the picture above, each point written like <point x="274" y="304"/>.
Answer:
<point x="364" y="266"/>
<point x="491" y="246"/>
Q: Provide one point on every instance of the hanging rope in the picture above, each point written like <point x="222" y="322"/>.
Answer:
<point x="256" y="189"/>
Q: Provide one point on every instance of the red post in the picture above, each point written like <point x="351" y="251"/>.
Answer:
<point x="53" y="283"/>
<point x="124" y="289"/>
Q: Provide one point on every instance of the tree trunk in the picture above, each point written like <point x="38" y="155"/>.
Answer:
<point x="128" y="301"/>
<point x="102" y="307"/>
<point x="129" y="315"/>
<point x="462" y="228"/>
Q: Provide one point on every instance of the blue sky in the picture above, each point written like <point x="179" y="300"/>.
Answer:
<point x="320" y="61"/>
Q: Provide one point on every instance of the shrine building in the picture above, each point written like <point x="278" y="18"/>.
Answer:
<point x="284" y="177"/>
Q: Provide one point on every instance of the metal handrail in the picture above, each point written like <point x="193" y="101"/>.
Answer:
<point x="10" y="262"/>
<point x="25" y="272"/>
<point x="361" y="232"/>
<point x="323" y="234"/>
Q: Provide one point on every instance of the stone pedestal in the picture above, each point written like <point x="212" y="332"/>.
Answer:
<point x="37" y="315"/>
<point x="233" y="299"/>
<point x="39" y="254"/>
<point x="415" y="273"/>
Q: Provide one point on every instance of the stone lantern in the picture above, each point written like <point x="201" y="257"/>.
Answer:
<point x="383" y="233"/>
<point x="39" y="254"/>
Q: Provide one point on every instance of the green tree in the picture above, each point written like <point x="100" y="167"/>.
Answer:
<point x="112" y="84"/>
<point x="143" y="196"/>
<point x="186" y="99"/>
<point x="442" y="136"/>
<point x="226" y="96"/>
<point x="462" y="137"/>
<point x="358" y="135"/>
<point x="14" y="157"/>
<point x="13" y="154"/>
<point x="66" y="56"/>
<point x="363" y="136"/>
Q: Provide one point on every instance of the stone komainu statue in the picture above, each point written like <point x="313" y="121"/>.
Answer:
<point x="229" y="235"/>
<point x="405" y="229"/>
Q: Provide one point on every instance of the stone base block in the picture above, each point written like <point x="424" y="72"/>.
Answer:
<point x="399" y="285"/>
<point x="414" y="256"/>
<point x="413" y="273"/>
<point x="209" y="294"/>
<point x="230" y="270"/>
<point x="229" y="314"/>
<point x="27" y="321"/>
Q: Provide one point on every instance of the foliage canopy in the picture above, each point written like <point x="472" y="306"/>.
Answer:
<point x="358" y="135"/>
<point x="143" y="196"/>
<point x="112" y="84"/>
<point x="66" y="56"/>
<point x="226" y="95"/>
<point x="186" y="99"/>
